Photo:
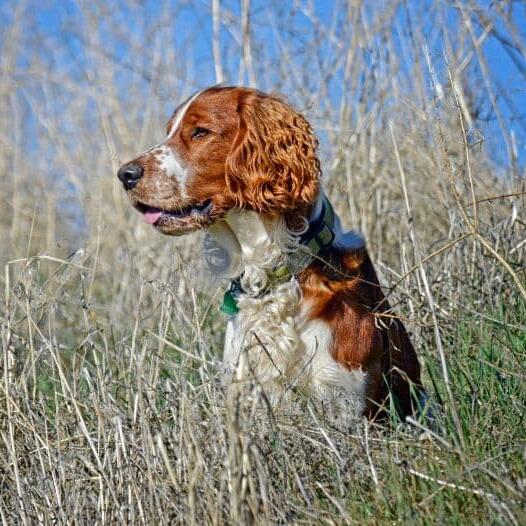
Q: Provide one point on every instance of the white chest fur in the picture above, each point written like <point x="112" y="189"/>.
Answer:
<point x="298" y="355"/>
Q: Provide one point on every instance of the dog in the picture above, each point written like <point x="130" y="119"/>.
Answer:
<point x="304" y="305"/>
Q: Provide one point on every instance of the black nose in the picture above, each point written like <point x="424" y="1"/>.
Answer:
<point x="129" y="174"/>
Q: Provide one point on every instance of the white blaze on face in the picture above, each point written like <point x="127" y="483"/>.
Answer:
<point x="172" y="166"/>
<point x="170" y="162"/>
<point x="180" y="115"/>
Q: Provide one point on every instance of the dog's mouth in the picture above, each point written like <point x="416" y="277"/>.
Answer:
<point x="180" y="220"/>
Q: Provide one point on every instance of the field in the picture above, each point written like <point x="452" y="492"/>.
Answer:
<point x="112" y="409"/>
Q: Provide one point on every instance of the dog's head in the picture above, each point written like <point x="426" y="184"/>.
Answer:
<point x="226" y="147"/>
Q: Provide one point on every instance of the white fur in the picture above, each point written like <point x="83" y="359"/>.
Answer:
<point x="273" y="338"/>
<point x="172" y="166"/>
<point x="170" y="163"/>
<point x="317" y="338"/>
<point x="180" y="115"/>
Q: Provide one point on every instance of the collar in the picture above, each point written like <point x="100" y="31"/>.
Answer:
<point x="318" y="236"/>
<point x="320" y="232"/>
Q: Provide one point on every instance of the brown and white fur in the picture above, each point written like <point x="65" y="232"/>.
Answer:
<point x="242" y="164"/>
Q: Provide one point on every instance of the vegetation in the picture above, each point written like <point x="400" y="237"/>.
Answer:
<point x="111" y="404"/>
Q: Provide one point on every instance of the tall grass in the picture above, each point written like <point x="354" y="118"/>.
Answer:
<point x="111" y="404"/>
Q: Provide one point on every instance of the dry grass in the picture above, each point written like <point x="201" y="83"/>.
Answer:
<point x="111" y="409"/>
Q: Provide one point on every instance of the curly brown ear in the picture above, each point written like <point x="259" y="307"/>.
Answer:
<point x="273" y="166"/>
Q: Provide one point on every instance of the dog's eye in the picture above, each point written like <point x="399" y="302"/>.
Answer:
<point x="199" y="132"/>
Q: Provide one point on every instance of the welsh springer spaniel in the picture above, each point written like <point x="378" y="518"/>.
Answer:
<point x="305" y="308"/>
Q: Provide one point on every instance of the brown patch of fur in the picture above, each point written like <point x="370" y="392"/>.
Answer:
<point x="366" y="335"/>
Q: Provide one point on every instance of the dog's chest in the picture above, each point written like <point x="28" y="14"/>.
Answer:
<point x="297" y="353"/>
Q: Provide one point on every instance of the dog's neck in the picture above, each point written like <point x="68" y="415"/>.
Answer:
<point x="245" y="244"/>
<point x="245" y="240"/>
<point x="261" y="249"/>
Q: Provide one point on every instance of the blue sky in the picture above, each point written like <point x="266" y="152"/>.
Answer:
<point x="506" y="63"/>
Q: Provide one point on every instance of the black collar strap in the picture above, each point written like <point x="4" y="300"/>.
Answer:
<point x="318" y="236"/>
<point x="320" y="233"/>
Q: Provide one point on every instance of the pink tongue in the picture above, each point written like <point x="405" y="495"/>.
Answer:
<point x="151" y="216"/>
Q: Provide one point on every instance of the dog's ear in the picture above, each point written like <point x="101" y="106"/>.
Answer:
<point x="273" y="167"/>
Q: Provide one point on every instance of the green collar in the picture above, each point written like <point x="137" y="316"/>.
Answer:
<point x="319" y="236"/>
